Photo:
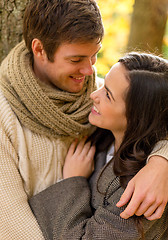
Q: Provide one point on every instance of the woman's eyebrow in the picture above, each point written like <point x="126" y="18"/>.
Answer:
<point x="108" y="90"/>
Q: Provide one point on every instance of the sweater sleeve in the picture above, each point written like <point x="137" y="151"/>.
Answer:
<point x="64" y="212"/>
<point x="160" y="149"/>
<point x="16" y="218"/>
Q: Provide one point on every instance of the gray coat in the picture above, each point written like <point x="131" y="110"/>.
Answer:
<point x="73" y="209"/>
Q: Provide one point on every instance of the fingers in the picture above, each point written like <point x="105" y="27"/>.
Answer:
<point x="130" y="209"/>
<point x="72" y="148"/>
<point x="136" y="199"/>
<point x="79" y="160"/>
<point x="75" y="147"/>
<point x="86" y="149"/>
<point x="126" y="196"/>
<point x="155" y="210"/>
<point x="91" y="152"/>
<point x="147" y="192"/>
<point x="147" y="205"/>
<point x="152" y="215"/>
<point x="90" y="156"/>
<point x="82" y="148"/>
<point x="133" y="205"/>
<point x="151" y="209"/>
<point x="141" y="205"/>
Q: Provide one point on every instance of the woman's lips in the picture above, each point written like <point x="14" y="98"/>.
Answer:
<point x="95" y="111"/>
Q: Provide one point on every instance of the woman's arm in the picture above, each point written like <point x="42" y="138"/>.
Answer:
<point x="66" y="211"/>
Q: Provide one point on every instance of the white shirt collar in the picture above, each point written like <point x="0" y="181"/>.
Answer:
<point x="110" y="153"/>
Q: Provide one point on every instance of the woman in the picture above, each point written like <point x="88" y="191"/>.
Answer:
<point x="132" y="108"/>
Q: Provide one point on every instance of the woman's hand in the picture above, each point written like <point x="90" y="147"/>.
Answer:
<point x="79" y="160"/>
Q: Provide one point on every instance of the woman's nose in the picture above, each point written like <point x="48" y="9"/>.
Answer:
<point x="94" y="95"/>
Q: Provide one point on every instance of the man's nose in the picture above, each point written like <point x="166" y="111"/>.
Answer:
<point x="87" y="69"/>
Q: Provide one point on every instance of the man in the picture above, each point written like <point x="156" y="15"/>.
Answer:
<point x="45" y="84"/>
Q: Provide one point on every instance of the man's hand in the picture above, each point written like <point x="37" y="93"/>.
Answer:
<point x="147" y="191"/>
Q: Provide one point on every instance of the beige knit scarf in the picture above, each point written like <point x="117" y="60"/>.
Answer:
<point x="40" y="107"/>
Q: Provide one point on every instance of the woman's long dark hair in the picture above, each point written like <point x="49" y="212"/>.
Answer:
<point x="146" y="113"/>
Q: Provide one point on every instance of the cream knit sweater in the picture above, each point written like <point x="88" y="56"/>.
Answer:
<point x="27" y="166"/>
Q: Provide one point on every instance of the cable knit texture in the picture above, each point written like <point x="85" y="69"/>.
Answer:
<point x="33" y="147"/>
<point x="21" y="172"/>
<point x="31" y="158"/>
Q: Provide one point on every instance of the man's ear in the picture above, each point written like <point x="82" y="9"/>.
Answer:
<point x="38" y="50"/>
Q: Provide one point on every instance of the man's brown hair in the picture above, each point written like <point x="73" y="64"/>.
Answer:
<point x="55" y="22"/>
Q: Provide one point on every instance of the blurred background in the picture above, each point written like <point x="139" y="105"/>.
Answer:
<point x="130" y="25"/>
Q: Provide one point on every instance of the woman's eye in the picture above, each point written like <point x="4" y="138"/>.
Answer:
<point x="107" y="94"/>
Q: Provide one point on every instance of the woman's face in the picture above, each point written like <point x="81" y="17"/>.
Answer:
<point x="108" y="110"/>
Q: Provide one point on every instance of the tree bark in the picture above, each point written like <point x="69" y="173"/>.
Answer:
<point x="11" y="19"/>
<point x="148" y="25"/>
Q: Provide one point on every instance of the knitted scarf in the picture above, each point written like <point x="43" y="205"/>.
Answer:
<point x="42" y="108"/>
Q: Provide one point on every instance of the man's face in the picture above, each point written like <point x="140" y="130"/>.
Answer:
<point x="72" y="63"/>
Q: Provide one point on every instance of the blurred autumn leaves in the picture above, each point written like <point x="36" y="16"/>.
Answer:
<point x="116" y="15"/>
<point x="148" y="24"/>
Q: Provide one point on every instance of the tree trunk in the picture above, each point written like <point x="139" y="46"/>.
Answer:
<point x="148" y="25"/>
<point x="11" y="16"/>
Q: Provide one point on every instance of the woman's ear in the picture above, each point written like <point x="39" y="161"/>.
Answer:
<point x="38" y="50"/>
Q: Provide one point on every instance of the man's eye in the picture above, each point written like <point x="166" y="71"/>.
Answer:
<point x="75" y="61"/>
